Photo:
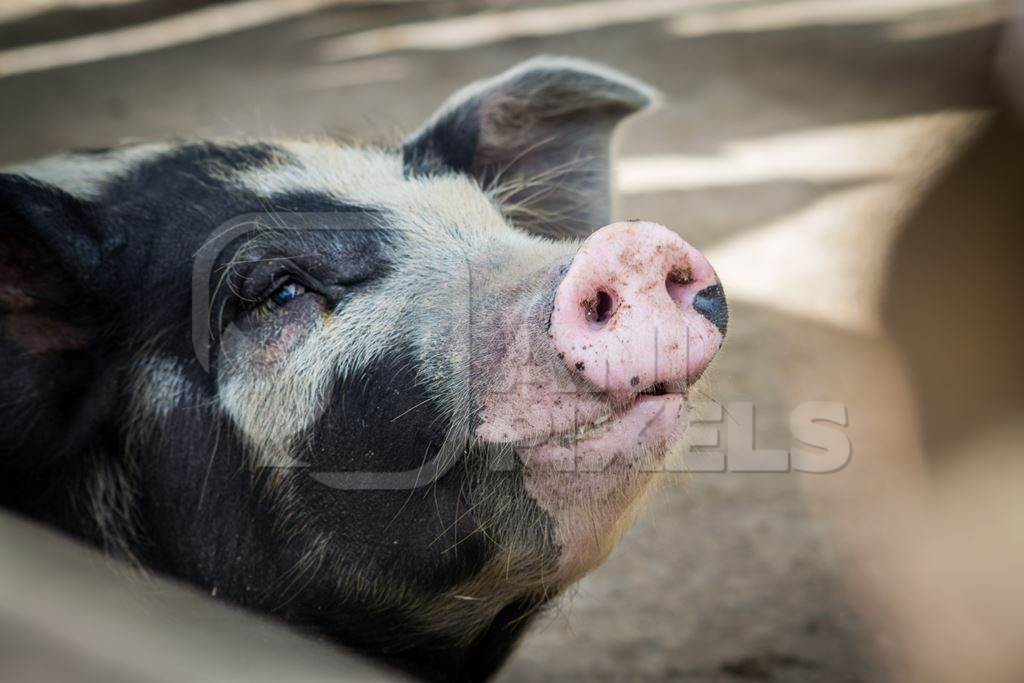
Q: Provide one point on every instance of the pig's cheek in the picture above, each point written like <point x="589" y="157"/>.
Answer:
<point x="267" y="341"/>
<point x="276" y="349"/>
<point x="526" y="397"/>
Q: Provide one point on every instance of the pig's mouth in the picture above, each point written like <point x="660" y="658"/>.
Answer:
<point x="589" y="477"/>
<point x="604" y="429"/>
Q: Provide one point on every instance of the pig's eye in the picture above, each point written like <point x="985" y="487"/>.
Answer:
<point x="285" y="294"/>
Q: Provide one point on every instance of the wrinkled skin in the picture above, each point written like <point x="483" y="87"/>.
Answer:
<point x="372" y="313"/>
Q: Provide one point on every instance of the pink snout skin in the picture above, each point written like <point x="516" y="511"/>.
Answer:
<point x="624" y="316"/>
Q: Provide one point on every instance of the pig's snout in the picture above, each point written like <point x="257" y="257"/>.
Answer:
<point x="638" y="307"/>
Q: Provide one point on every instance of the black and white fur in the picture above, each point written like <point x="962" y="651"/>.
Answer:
<point x="112" y="430"/>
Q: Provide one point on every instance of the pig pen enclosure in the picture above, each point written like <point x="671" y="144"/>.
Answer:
<point x="794" y="141"/>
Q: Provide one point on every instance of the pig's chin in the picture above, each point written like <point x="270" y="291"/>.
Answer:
<point x="590" y="478"/>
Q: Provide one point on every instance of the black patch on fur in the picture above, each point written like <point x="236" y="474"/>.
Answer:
<point x="449" y="145"/>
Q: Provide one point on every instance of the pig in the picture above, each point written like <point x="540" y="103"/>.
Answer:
<point x="410" y="394"/>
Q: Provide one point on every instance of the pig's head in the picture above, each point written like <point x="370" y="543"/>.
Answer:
<point x="400" y="397"/>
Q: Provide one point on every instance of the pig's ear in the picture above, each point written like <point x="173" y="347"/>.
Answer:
<point x="538" y="137"/>
<point x="49" y="323"/>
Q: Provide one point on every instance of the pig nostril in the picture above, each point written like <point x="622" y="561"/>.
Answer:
<point x="605" y="306"/>
<point x="679" y="276"/>
<point x="677" y="280"/>
<point x="599" y="309"/>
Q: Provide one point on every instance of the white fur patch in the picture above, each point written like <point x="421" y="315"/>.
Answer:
<point x="160" y="387"/>
<point x="86" y="176"/>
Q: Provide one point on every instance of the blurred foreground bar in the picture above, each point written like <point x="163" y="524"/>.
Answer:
<point x="69" y="614"/>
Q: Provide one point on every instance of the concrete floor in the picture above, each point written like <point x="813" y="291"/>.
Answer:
<point x="793" y="137"/>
